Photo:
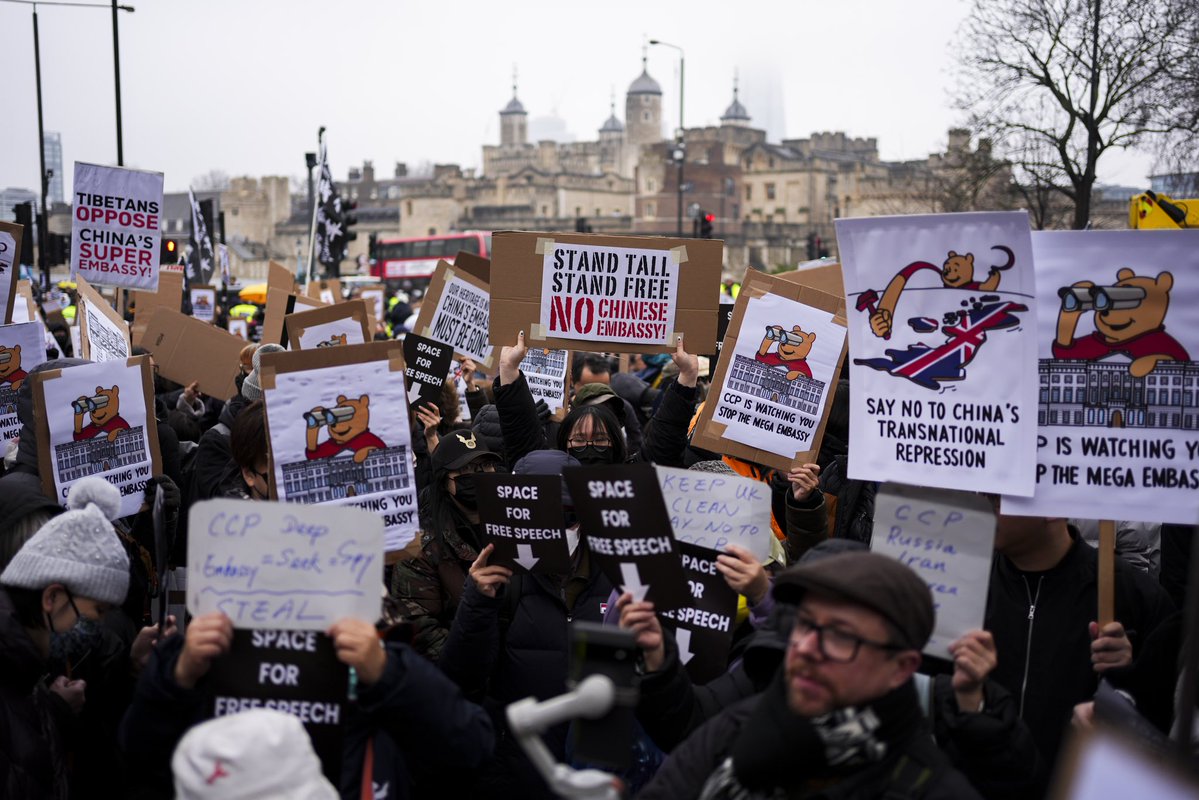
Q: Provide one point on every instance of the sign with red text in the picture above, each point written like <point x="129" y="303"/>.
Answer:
<point x="115" y="230"/>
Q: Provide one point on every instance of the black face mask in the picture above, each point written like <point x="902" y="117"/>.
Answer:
<point x="592" y="455"/>
<point x="466" y="492"/>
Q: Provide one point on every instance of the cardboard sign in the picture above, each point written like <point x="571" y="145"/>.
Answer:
<point x="276" y="565"/>
<point x="296" y="672"/>
<point x="714" y="511"/>
<point x="522" y="516"/>
<point x="98" y="419"/>
<point x="280" y="277"/>
<point x="705" y="626"/>
<point x="427" y="363"/>
<point x="473" y="265"/>
<point x="22" y="347"/>
<point x="10" y="259"/>
<point x="240" y="328"/>
<point x="203" y="302"/>
<point x="280" y="303"/>
<point x="1118" y="413"/>
<point x="724" y="315"/>
<point x="545" y="371"/>
<point x="169" y="295"/>
<point x="943" y="333"/>
<point x="115" y="229"/>
<point x="637" y="294"/>
<point x="946" y="538"/>
<point x="823" y="276"/>
<point x="328" y="291"/>
<point x="376" y="301"/>
<point x="455" y="311"/>
<point x="187" y="350"/>
<point x="775" y="385"/>
<point x="622" y="515"/>
<point x="329" y="326"/>
<point x="24" y="308"/>
<point x="103" y="334"/>
<point x="340" y="434"/>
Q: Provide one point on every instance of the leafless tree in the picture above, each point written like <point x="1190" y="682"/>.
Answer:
<point x="1058" y="83"/>
<point x="214" y="180"/>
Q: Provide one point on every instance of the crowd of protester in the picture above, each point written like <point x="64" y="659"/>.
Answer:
<point x="826" y="692"/>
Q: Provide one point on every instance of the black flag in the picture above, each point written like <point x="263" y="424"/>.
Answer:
<point x="202" y="262"/>
<point x="330" y="236"/>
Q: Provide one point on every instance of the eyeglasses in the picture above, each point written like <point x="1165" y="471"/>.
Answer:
<point x="474" y="468"/>
<point x="598" y="441"/>
<point x="835" y="644"/>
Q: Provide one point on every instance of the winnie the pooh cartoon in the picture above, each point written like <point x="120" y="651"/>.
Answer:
<point x="333" y="341"/>
<point x="792" y="352"/>
<point x="1129" y="318"/>
<point x="105" y="410"/>
<point x="10" y="367"/>
<point x="348" y="424"/>
<point x="957" y="272"/>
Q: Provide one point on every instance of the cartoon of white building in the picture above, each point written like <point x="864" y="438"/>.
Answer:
<point x="752" y="377"/>
<point x="324" y="479"/>
<point x="1104" y="393"/>
<point x="79" y="459"/>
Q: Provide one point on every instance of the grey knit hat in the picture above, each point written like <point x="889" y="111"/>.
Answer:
<point x="251" y="387"/>
<point x="78" y="549"/>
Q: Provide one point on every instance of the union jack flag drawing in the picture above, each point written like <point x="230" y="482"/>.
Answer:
<point x="929" y="366"/>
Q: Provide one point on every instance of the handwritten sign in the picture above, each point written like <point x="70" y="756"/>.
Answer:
<point x="275" y="565"/>
<point x="713" y="510"/>
<point x="946" y="537"/>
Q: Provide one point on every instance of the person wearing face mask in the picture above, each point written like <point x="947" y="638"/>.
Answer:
<point x="591" y="433"/>
<point x="428" y="586"/>
<point x="510" y="637"/>
<point x="74" y="568"/>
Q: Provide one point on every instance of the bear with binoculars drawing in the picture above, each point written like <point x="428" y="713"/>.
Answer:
<point x="1129" y="318"/>
<point x="105" y="410"/>
<point x="348" y="423"/>
<point x="792" y="352"/>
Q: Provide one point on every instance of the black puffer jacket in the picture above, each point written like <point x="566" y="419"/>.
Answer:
<point x="854" y="498"/>
<point x="32" y="763"/>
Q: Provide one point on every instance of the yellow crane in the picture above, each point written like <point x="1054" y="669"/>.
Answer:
<point x="1152" y="210"/>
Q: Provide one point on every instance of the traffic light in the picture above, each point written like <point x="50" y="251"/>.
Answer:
<point x="59" y="248"/>
<point x="372" y="245"/>
<point x="24" y="214"/>
<point x="705" y="226"/>
<point x="167" y="254"/>
<point x="349" y="220"/>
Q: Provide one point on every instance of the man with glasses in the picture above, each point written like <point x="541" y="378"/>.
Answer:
<point x="842" y="717"/>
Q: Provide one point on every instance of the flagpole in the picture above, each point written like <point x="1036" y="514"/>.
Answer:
<point x="320" y="148"/>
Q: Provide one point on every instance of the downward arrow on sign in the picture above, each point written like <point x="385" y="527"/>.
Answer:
<point x="683" y="638"/>
<point x="630" y="579"/>
<point x="414" y="392"/>
<point x="524" y="556"/>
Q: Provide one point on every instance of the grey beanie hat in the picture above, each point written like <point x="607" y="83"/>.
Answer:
<point x="78" y="549"/>
<point x="251" y="387"/>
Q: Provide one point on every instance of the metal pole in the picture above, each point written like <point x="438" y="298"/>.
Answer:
<point x="311" y="267"/>
<point x="682" y="142"/>
<point x="116" y="65"/>
<point x="42" y="260"/>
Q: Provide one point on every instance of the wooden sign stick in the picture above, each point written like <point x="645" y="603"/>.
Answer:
<point x="1107" y="572"/>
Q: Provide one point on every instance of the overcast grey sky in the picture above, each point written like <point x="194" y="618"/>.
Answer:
<point x="242" y="85"/>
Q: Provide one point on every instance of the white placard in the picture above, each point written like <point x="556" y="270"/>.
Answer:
<point x="76" y="340"/>
<point x="276" y="565"/>
<point x="779" y="376"/>
<point x="364" y="459"/>
<point x="8" y="270"/>
<point x="22" y="347"/>
<point x="545" y="372"/>
<point x="461" y="319"/>
<point x="946" y="538"/>
<point x="942" y="338"/>
<point x="1108" y="767"/>
<point x="239" y="327"/>
<point x="98" y="426"/>
<point x="714" y="510"/>
<point x="106" y="340"/>
<point x="332" y="334"/>
<point x="203" y="304"/>
<point x="609" y="294"/>
<point x="1118" y="419"/>
<point x="375" y="298"/>
<point x="115" y="230"/>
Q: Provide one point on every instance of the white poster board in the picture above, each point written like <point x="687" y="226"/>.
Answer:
<point x="107" y="338"/>
<point x="946" y="537"/>
<point x="375" y="300"/>
<point x="713" y="510"/>
<point x="8" y="271"/>
<point x="274" y="565"/>
<point x="22" y="347"/>
<point x="942" y="334"/>
<point x="608" y="294"/>
<point x="545" y="372"/>
<point x="203" y="301"/>
<point x="115" y="230"/>
<point x="1118" y="418"/>
<point x="239" y="327"/>
<point x="461" y="320"/>
<point x="335" y="333"/>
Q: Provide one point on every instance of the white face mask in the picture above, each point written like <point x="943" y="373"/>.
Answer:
<point x="572" y="538"/>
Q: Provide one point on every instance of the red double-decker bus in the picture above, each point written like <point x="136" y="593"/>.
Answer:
<point x="412" y="259"/>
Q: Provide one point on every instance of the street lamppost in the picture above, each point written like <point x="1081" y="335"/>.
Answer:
<point x="680" y="145"/>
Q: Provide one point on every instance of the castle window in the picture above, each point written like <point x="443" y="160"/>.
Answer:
<point x="650" y="209"/>
<point x="645" y="116"/>
<point x="408" y="208"/>
<point x="749" y="192"/>
<point x="650" y="186"/>
<point x="770" y="191"/>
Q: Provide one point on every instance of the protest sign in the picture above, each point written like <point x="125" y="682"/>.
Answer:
<point x="328" y="326"/>
<point x="473" y="265"/>
<point x="188" y="350"/>
<point x="455" y="311"/>
<point x="10" y="260"/>
<point x="280" y="277"/>
<point x="1118" y="413"/>
<point x="203" y="302"/>
<point x="376" y="301"/>
<point x="339" y="430"/>
<point x="24" y="309"/>
<point x="280" y="303"/>
<point x="169" y="295"/>
<point x="545" y="372"/>
<point x="115" y="226"/>
<point x="328" y="291"/>
<point x="724" y="315"/>
<point x="823" y="276"/>
<point x="774" y="387"/>
<point x="296" y="672"/>
<point x="1103" y="762"/>
<point x="943" y="332"/>
<point x="635" y="294"/>
<point x="103" y="334"/>
<point x="240" y="328"/>
<point x="461" y="387"/>
<point x="426" y="365"/>
<point x="97" y="419"/>
<point x="705" y="624"/>
<point x="22" y="347"/>
<point x="522" y="516"/>
<point x="277" y="565"/>
<point x="713" y="510"/>
<point x="946" y="538"/>
<point x="621" y="513"/>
